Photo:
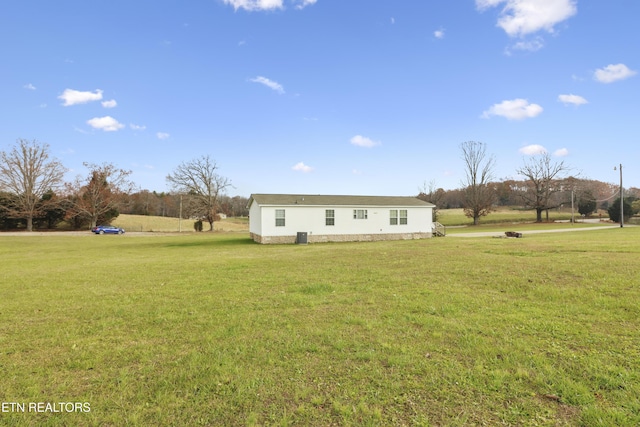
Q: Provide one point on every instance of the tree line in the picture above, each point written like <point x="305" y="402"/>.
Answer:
<point x="33" y="193"/>
<point x="547" y="185"/>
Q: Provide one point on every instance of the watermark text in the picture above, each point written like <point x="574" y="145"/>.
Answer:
<point x="43" y="407"/>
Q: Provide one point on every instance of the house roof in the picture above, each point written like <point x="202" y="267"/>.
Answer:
<point x="327" y="200"/>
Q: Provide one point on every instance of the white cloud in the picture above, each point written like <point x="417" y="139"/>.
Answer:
<point x="252" y="5"/>
<point x="532" y="150"/>
<point x="561" y="152"/>
<point x="106" y="123"/>
<point x="77" y="129"/>
<point x="304" y="3"/>
<point x="439" y="34"/>
<point x="162" y="135"/>
<point x="137" y="127"/>
<point x="301" y="167"/>
<point x="29" y="86"/>
<point x="363" y="141"/>
<point x="73" y="97"/>
<point x="526" y="45"/>
<point x="268" y="83"/>
<point x="572" y="99"/>
<point x="516" y="109"/>
<point x="393" y="20"/>
<point x="612" y="73"/>
<point x="109" y="104"/>
<point x="522" y="17"/>
<point x="259" y="5"/>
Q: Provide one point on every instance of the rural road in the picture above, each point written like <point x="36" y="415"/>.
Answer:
<point x="525" y="232"/>
<point x="79" y="233"/>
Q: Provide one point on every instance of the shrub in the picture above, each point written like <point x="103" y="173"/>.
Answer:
<point x="614" y="210"/>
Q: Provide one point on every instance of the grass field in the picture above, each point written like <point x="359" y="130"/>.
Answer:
<point x="171" y="225"/>
<point x="449" y="217"/>
<point x="212" y="329"/>
<point x="502" y="215"/>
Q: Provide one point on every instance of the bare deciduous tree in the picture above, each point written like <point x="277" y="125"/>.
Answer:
<point x="199" y="179"/>
<point x="542" y="176"/>
<point x="234" y="206"/>
<point x="100" y="193"/>
<point x="28" y="174"/>
<point x="479" y="197"/>
<point x="430" y="193"/>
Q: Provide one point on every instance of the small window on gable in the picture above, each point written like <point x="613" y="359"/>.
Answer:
<point x="330" y="217"/>
<point x="360" y="214"/>
<point x="279" y="217"/>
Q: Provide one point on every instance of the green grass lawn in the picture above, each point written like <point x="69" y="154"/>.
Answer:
<point x="173" y="225"/>
<point x="523" y="227"/>
<point x="212" y="329"/>
<point x="502" y="215"/>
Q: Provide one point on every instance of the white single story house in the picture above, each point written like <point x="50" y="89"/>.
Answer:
<point x="298" y="218"/>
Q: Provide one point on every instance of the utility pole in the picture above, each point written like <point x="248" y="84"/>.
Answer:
<point x="572" y="210"/>
<point x="180" y="217"/>
<point x="621" y="200"/>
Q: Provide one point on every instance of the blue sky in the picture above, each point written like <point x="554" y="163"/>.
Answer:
<point x="324" y="96"/>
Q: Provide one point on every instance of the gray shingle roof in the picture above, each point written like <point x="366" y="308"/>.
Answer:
<point x="326" y="200"/>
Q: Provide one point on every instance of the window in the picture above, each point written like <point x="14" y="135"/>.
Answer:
<point x="359" y="214"/>
<point x="393" y="217"/>
<point x="330" y="217"/>
<point x="279" y="217"/>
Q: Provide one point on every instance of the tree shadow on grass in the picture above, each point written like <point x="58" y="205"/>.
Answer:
<point x="231" y="241"/>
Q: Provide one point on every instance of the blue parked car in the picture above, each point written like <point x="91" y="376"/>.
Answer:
<point x="107" y="229"/>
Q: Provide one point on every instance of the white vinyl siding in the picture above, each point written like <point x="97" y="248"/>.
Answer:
<point x="334" y="220"/>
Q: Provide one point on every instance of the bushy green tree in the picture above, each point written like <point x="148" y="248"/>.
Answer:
<point x="7" y="201"/>
<point x="586" y="203"/>
<point x="53" y="211"/>
<point x="614" y="210"/>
